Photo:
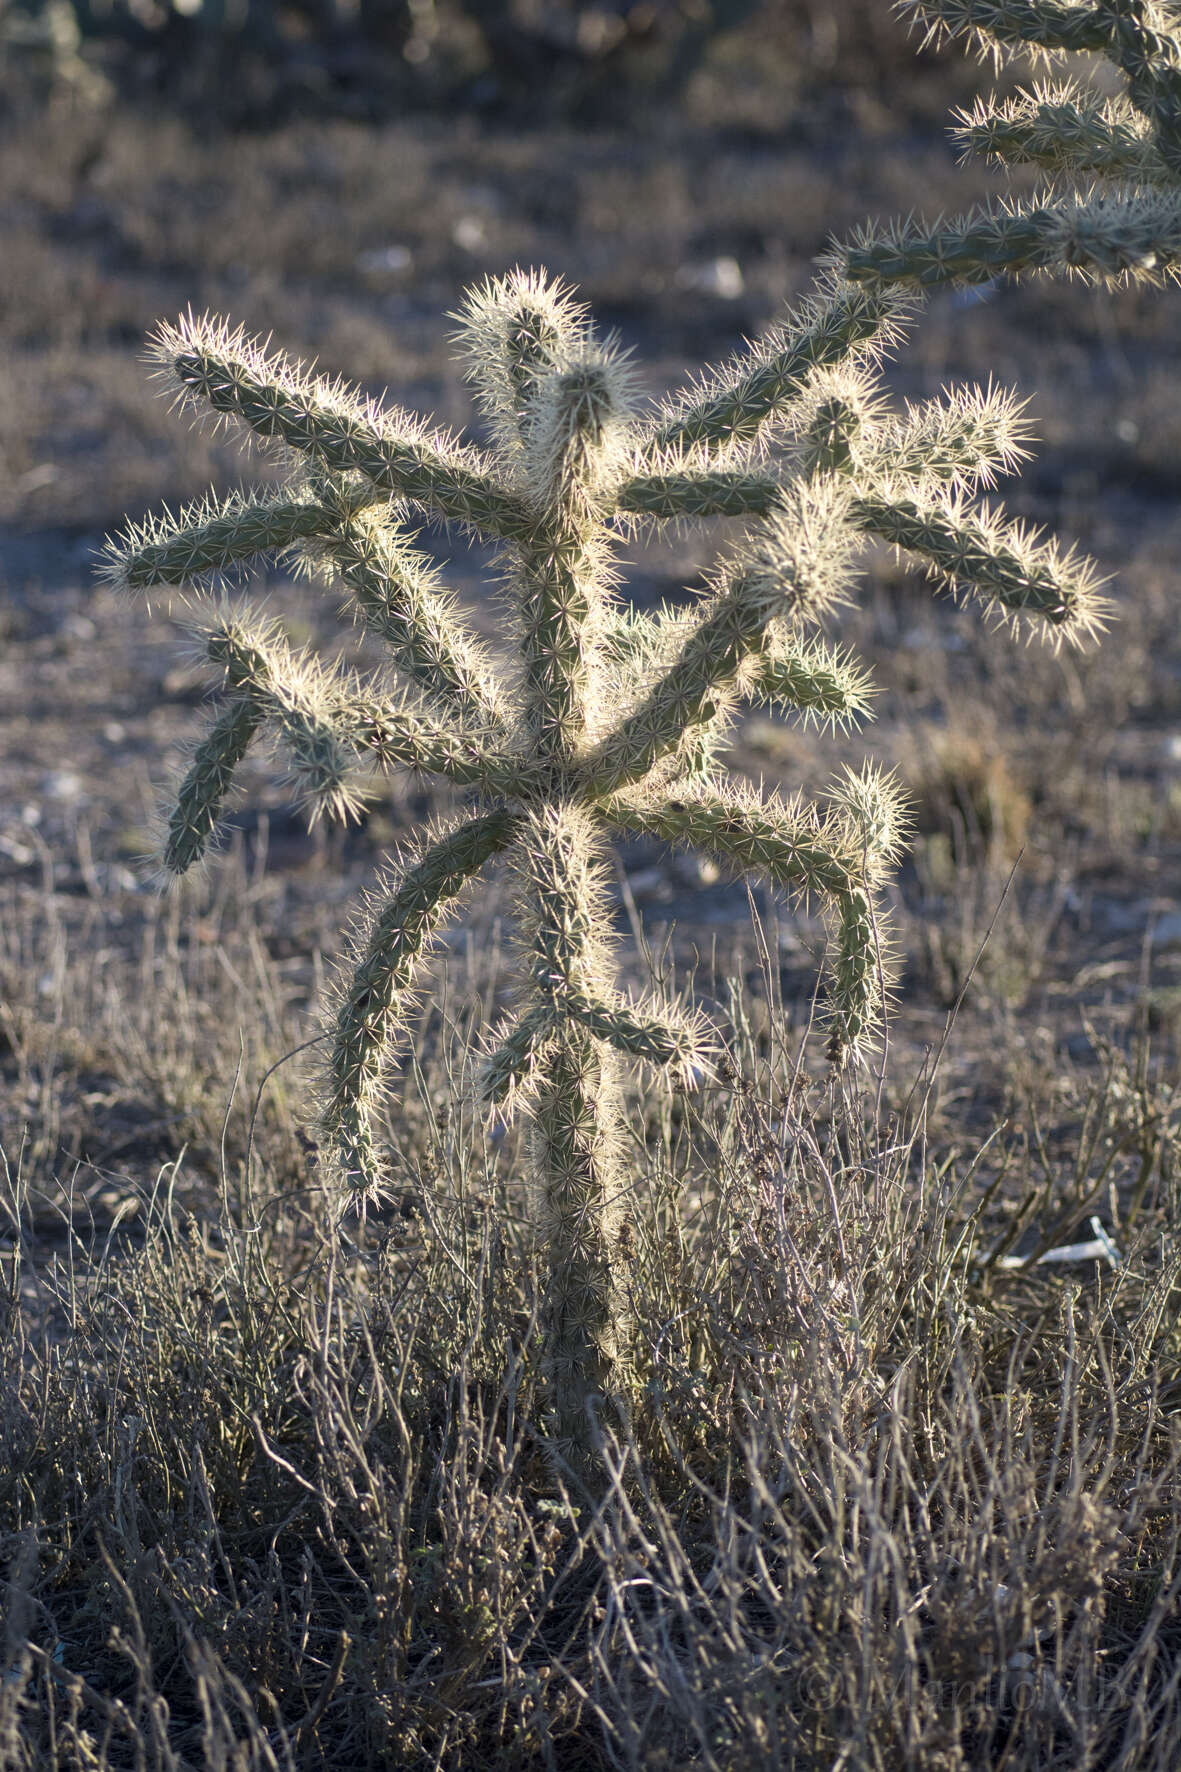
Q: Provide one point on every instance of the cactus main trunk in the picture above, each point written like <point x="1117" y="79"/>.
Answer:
<point x="577" y="1121"/>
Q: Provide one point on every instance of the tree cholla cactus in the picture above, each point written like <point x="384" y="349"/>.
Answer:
<point x="608" y="721"/>
<point x="1109" y="208"/>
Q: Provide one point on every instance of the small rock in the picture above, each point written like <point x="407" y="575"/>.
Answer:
<point x="385" y="260"/>
<point x="469" y="233"/>
<point x="719" y="277"/>
<point x="63" y="784"/>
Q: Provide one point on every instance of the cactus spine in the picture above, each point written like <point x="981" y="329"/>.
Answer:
<point x="608" y="722"/>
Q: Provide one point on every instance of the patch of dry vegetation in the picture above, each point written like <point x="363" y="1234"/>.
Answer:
<point x="273" y="1497"/>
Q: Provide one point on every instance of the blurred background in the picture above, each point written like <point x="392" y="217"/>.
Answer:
<point x="335" y="174"/>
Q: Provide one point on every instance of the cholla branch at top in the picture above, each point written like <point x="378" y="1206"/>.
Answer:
<point x="602" y="720"/>
<point x="1110" y="208"/>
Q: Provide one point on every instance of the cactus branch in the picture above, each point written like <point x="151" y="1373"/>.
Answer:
<point x="735" y="403"/>
<point x="1016" y="575"/>
<point x="822" y="684"/>
<point x="1127" y="236"/>
<point x="293" y="693"/>
<point x="400" y="597"/>
<point x="329" y="424"/>
<point x="682" y="493"/>
<point x="206" y="784"/>
<point x="208" y="539"/>
<point x="375" y="1007"/>
<point x="785" y="841"/>
<point x="1065" y="130"/>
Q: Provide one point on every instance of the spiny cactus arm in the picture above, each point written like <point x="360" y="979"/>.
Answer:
<point x="400" y="596"/>
<point x="840" y="859"/>
<point x="733" y="404"/>
<point x="1125" y="237"/>
<point x="378" y="1002"/>
<point x="292" y="692"/>
<point x="511" y="1066"/>
<point x="1140" y="36"/>
<point x="208" y="538"/>
<point x="1037" y="24"/>
<point x="512" y="331"/>
<point x="324" y="721"/>
<point x="656" y="1030"/>
<point x="202" y="793"/>
<point x="576" y="429"/>
<point x="328" y="423"/>
<point x="794" y="566"/>
<point x="859" y="970"/>
<point x="859" y="964"/>
<point x="975" y="552"/>
<point x="822" y="683"/>
<point x="787" y="841"/>
<point x="680" y="493"/>
<point x="634" y="643"/>
<point x="964" y="440"/>
<point x="397" y="733"/>
<point x="1065" y="130"/>
<point x="825" y="685"/>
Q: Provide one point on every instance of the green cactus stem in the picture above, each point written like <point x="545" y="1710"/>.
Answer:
<point x="603" y="721"/>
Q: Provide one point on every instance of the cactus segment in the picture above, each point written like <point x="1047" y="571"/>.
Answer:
<point x="825" y="686"/>
<point x="975" y="553"/>
<point x="785" y="841"/>
<point x="963" y="441"/>
<point x="655" y="1030"/>
<point x="1036" y="24"/>
<point x="1127" y="236"/>
<point x="839" y="324"/>
<point x="512" y="332"/>
<point x="1065" y="130"/>
<point x="329" y="424"/>
<point x="206" y="784"/>
<point x="208" y="539"/>
<point x="511" y="1068"/>
<point x="400" y="597"/>
<point x="293" y="693"/>
<point x="400" y="734"/>
<point x="375" y="1009"/>
<point x="679" y="494"/>
<point x="857" y="976"/>
<point x="608" y="721"/>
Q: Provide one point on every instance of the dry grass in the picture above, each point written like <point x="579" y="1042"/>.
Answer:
<point x="273" y="1497"/>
